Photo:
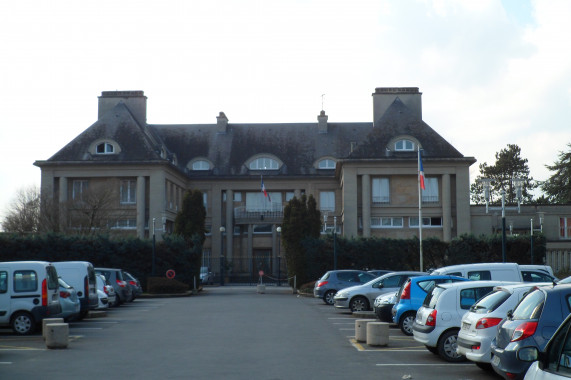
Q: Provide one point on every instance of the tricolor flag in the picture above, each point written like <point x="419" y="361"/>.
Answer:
<point x="264" y="190"/>
<point x="420" y="170"/>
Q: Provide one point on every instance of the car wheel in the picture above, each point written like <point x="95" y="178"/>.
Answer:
<point x="447" y="345"/>
<point x="406" y="322"/>
<point x="359" y="304"/>
<point x="23" y="323"/>
<point x="328" y="297"/>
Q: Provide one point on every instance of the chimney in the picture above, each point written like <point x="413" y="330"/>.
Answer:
<point x="322" y="122"/>
<point x="136" y="102"/>
<point x="383" y="97"/>
<point x="221" y="123"/>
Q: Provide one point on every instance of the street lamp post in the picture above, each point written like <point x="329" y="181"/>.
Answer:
<point x="531" y="235"/>
<point x="518" y="183"/>
<point x="154" y="243"/>
<point x="222" y="230"/>
<point x="279" y="231"/>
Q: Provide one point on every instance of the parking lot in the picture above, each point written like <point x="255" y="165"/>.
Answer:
<point x="225" y="332"/>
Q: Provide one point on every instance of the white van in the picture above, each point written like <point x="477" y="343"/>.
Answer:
<point x="80" y="275"/>
<point x="499" y="272"/>
<point x="28" y="294"/>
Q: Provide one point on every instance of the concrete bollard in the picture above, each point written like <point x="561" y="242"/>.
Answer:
<point x="46" y="321"/>
<point x="261" y="288"/>
<point x="361" y="329"/>
<point x="57" y="335"/>
<point x="377" y="334"/>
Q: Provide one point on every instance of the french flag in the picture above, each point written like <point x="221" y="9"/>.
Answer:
<point x="420" y="170"/>
<point x="264" y="190"/>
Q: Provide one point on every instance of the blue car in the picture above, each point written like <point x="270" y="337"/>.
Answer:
<point x="411" y="295"/>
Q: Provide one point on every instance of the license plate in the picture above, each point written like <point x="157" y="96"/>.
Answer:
<point x="496" y="360"/>
<point x="465" y="326"/>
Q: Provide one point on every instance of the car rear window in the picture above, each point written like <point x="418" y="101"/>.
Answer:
<point x="432" y="297"/>
<point x="490" y="302"/>
<point x="480" y="275"/>
<point x="427" y="285"/>
<point x="469" y="296"/>
<point x="530" y="306"/>
<point x="325" y="276"/>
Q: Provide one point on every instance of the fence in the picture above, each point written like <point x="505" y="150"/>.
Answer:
<point x="247" y="270"/>
<point x="559" y="260"/>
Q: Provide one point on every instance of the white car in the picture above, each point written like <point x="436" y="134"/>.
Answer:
<point x="479" y="324"/>
<point x="107" y="289"/>
<point x="103" y="300"/>
<point x="362" y="297"/>
<point x="439" y="318"/>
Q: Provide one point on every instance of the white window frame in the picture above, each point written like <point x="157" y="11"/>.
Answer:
<point x="124" y="224"/>
<point x="381" y="190"/>
<point x="565" y="228"/>
<point x="79" y="187"/>
<point x="404" y="145"/>
<point x="107" y="148"/>
<point x="427" y="221"/>
<point x="327" y="200"/>
<point x="128" y="191"/>
<point x="326" y="163"/>
<point x="430" y="192"/>
<point x="200" y="165"/>
<point x="387" y="222"/>
<point x="264" y="163"/>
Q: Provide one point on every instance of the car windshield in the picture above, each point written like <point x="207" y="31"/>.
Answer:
<point x="432" y="297"/>
<point x="530" y="306"/>
<point x="490" y="302"/>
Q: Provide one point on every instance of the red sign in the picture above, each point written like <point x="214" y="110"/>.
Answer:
<point x="170" y="273"/>
<point x="261" y="273"/>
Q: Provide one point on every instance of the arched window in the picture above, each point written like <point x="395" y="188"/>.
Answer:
<point x="201" y="165"/>
<point x="404" y="145"/>
<point x="105" y="148"/>
<point x="326" y="164"/>
<point x="264" y="163"/>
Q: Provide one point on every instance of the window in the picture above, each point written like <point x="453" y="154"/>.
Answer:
<point x="237" y="197"/>
<point x="289" y="196"/>
<point x="559" y="354"/>
<point x="25" y="281"/>
<point x="536" y="277"/>
<point x="128" y="191"/>
<point x="380" y="190"/>
<point x="205" y="200"/>
<point x="262" y="228"/>
<point x="430" y="192"/>
<point x="79" y="189"/>
<point x="565" y="228"/>
<point x="3" y="282"/>
<point x="264" y="163"/>
<point x="201" y="165"/>
<point x="404" y="145"/>
<point x="479" y="275"/>
<point x="257" y="202"/>
<point x="386" y="222"/>
<point x="426" y="222"/>
<point x="327" y="201"/>
<point x="326" y="164"/>
<point x="104" y="148"/>
<point x="124" y="224"/>
<point x="468" y="297"/>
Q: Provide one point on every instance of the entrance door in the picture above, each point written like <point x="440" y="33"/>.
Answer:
<point x="262" y="261"/>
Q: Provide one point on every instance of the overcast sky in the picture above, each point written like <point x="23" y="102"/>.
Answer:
<point x="492" y="72"/>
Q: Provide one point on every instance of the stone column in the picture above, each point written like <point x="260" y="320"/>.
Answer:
<point x="446" y="208"/>
<point x="63" y="181"/>
<point x="366" y="204"/>
<point x="350" y="216"/>
<point x="229" y="223"/>
<point x="141" y="207"/>
<point x="463" y="201"/>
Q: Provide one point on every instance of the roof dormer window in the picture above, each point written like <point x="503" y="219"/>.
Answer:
<point x="404" y="146"/>
<point x="201" y="165"/>
<point x="326" y="163"/>
<point x="264" y="163"/>
<point x="105" y="148"/>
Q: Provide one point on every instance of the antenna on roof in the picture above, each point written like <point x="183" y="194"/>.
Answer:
<point x="322" y="95"/>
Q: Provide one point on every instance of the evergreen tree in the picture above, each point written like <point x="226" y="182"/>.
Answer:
<point x="558" y="186"/>
<point x="190" y="220"/>
<point x="509" y="165"/>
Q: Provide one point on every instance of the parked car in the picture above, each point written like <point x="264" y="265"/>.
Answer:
<point x="104" y="286"/>
<point x="383" y="306"/>
<point x="206" y="276"/>
<point x="29" y="292"/>
<point x="103" y="300"/>
<point x="334" y="280"/>
<point x="362" y="297"/>
<point x="80" y="275"/>
<point x="554" y="363"/>
<point x="134" y="284"/>
<point x="479" y="325"/>
<point x="411" y="295"/>
<point x="499" y="272"/>
<point x="531" y="324"/>
<point x="379" y="272"/>
<point x="70" y="305"/>
<point x="438" y="320"/>
<point x="117" y="279"/>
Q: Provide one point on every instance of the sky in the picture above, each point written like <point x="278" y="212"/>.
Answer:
<point x="492" y="72"/>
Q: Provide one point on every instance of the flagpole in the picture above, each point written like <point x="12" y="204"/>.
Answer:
<point x="420" y="211"/>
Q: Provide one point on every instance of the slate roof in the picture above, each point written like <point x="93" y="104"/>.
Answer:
<point x="297" y="145"/>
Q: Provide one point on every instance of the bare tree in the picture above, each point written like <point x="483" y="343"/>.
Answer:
<point x="23" y="214"/>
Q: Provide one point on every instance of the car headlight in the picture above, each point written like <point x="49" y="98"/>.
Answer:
<point x="341" y="295"/>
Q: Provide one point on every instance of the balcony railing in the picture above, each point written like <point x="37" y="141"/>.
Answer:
<point x="273" y="214"/>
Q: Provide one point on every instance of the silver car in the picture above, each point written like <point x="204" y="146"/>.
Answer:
<point x="362" y="297"/>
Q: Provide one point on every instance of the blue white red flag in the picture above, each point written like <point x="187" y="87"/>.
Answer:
<point x="420" y="170"/>
<point x="264" y="190"/>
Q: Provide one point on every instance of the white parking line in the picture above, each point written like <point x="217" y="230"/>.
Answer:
<point x="423" y="365"/>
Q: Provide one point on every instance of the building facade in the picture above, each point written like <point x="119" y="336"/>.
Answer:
<point x="130" y="176"/>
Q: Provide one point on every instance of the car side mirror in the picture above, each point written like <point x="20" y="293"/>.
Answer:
<point x="527" y="354"/>
<point x="510" y="314"/>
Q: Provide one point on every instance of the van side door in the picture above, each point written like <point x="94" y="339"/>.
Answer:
<point x="5" y="305"/>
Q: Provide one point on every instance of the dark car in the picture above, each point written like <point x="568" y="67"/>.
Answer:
<point x="119" y="282"/>
<point x="134" y="284"/>
<point x="332" y="281"/>
<point x="531" y="324"/>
